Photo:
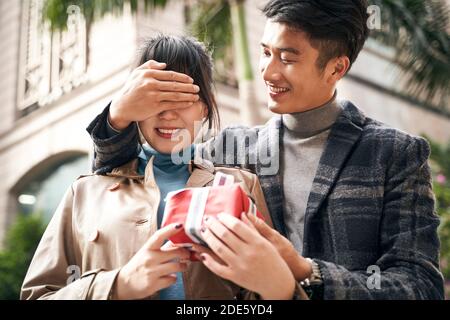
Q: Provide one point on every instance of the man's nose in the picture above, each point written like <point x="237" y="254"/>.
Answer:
<point x="270" y="70"/>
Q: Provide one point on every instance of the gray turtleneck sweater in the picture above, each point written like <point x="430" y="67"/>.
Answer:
<point x="304" y="138"/>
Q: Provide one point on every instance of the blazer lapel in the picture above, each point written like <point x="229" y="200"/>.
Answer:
<point x="269" y="148"/>
<point x="343" y="136"/>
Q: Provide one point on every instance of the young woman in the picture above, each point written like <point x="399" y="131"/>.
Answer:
<point x="105" y="240"/>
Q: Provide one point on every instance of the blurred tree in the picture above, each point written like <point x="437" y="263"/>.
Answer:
<point x="220" y="24"/>
<point x="418" y="30"/>
<point x="20" y="244"/>
<point x="440" y="156"/>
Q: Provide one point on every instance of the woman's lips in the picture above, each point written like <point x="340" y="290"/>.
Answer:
<point x="167" y="133"/>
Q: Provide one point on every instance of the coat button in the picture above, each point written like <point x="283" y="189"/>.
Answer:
<point x="93" y="235"/>
<point x="114" y="187"/>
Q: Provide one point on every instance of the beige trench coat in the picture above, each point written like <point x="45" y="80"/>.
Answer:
<point x="104" y="220"/>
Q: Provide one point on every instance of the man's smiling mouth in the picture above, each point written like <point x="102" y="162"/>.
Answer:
<point x="274" y="89"/>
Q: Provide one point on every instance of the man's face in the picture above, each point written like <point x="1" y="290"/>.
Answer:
<point x="288" y="66"/>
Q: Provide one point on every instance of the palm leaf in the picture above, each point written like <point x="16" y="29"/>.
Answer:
<point x="211" y="24"/>
<point x="418" y="31"/>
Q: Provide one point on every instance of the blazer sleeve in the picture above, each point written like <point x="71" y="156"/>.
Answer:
<point x="52" y="273"/>
<point x="112" y="149"/>
<point x="409" y="243"/>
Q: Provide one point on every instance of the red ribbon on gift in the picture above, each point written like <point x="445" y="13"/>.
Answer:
<point x="191" y="206"/>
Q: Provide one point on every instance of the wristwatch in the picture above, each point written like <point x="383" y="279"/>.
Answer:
<point x="313" y="285"/>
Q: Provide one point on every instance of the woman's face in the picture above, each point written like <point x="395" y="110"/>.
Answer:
<point x="174" y="130"/>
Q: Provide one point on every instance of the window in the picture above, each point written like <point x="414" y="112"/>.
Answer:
<point x="51" y="63"/>
<point x="45" y="191"/>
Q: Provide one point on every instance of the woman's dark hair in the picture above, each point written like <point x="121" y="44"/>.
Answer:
<point x="336" y="28"/>
<point x="189" y="56"/>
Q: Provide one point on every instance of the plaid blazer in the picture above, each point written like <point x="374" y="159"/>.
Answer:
<point x="370" y="222"/>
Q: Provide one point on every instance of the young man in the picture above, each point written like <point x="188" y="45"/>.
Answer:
<point x="352" y="196"/>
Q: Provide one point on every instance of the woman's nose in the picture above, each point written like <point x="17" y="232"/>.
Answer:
<point x="168" y="115"/>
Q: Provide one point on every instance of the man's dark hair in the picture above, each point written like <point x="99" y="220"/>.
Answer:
<point x="186" y="55"/>
<point x="334" y="27"/>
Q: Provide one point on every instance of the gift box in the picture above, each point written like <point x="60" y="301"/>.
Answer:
<point x="191" y="206"/>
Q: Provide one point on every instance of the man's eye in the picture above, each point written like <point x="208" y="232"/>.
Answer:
<point x="286" y="61"/>
<point x="266" y="53"/>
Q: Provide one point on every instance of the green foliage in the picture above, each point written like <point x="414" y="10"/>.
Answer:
<point x="56" y="11"/>
<point x="20" y="244"/>
<point x="440" y="163"/>
<point x="211" y="24"/>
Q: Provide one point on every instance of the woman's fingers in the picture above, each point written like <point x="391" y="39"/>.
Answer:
<point x="218" y="247"/>
<point x="239" y="228"/>
<point x="156" y="241"/>
<point x="172" y="254"/>
<point x="199" y="249"/>
<point x="224" y="234"/>
<point x="164" y="282"/>
<point x="216" y="267"/>
<point x="169" y="268"/>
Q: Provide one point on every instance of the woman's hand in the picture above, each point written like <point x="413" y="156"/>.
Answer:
<point x="150" y="90"/>
<point x="240" y="254"/>
<point x="151" y="268"/>
<point x="300" y="267"/>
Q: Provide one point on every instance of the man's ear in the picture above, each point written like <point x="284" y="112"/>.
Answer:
<point x="338" y="68"/>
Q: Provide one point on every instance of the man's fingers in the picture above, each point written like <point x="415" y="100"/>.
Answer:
<point x="177" y="97"/>
<point x="164" y="106"/>
<point x="157" y="239"/>
<point x="245" y="219"/>
<point x="166" y="75"/>
<point x="152" y="64"/>
<point x="172" y="86"/>
<point x="263" y="228"/>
